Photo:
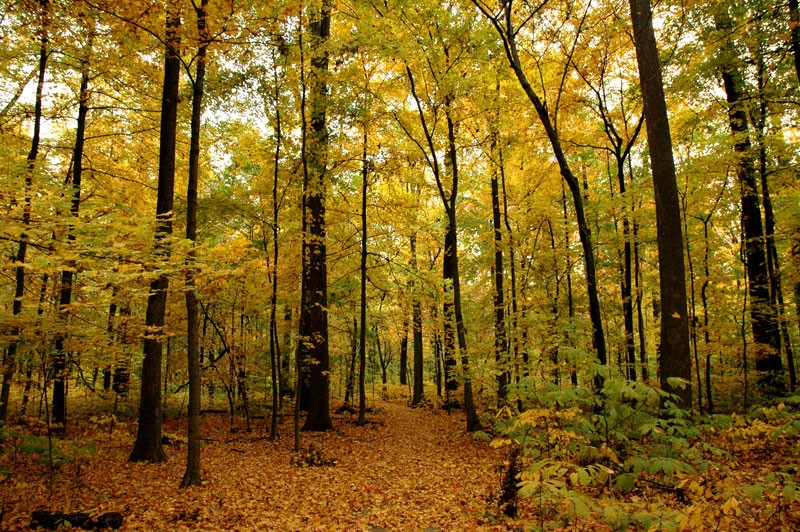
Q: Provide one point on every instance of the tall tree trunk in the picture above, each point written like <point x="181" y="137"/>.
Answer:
<point x="362" y="338"/>
<point x="404" y="352"/>
<point x="500" y="340"/>
<point x="766" y="338"/>
<point x="512" y="339"/>
<point x="704" y="300"/>
<point x="452" y="230"/>
<point x="674" y="350"/>
<point x="638" y="284"/>
<point x="314" y="314"/>
<point x="59" y="404"/>
<point x="274" y="346"/>
<point x="416" y="323"/>
<point x="773" y="260"/>
<point x="191" y="477"/>
<point x="350" y="384"/>
<point x="10" y="355"/>
<point x="147" y="447"/>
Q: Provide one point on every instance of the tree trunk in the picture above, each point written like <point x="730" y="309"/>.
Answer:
<point x="191" y="477"/>
<point x="9" y="359"/>
<point x="416" y="323"/>
<point x="274" y="347"/>
<point x="404" y="353"/>
<point x="147" y="447"/>
<point x="674" y="350"/>
<point x="500" y="340"/>
<point x="452" y="231"/>
<point x="362" y="338"/>
<point x="766" y="338"/>
<point x="59" y="404"/>
<point x="314" y="315"/>
<point x="503" y="25"/>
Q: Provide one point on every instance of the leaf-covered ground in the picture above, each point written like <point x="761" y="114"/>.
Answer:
<point x="405" y="470"/>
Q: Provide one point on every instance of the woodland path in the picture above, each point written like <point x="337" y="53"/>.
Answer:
<point x="407" y="469"/>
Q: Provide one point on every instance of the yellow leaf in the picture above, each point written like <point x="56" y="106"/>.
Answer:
<point x="731" y="506"/>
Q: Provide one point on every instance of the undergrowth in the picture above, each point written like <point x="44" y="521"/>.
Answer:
<point x="628" y="457"/>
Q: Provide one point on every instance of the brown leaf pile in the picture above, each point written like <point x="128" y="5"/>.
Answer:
<point x="405" y="470"/>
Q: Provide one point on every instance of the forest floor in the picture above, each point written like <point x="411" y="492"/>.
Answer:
<point x="406" y="469"/>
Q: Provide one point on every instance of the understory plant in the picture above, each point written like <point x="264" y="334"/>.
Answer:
<point x="625" y="455"/>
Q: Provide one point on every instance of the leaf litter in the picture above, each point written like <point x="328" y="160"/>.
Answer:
<point x="404" y="470"/>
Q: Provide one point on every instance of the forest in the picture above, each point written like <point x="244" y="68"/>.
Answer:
<point x="400" y="265"/>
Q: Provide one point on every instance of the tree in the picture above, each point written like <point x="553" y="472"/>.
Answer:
<point x="766" y="334"/>
<point x="503" y="21"/>
<point x="675" y="356"/>
<point x="147" y="447"/>
<point x="22" y="249"/>
<point x="68" y="274"/>
<point x="313" y="348"/>
<point x="191" y="477"/>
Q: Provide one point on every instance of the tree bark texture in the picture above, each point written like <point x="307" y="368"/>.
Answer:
<point x="674" y="352"/>
<point x="147" y="447"/>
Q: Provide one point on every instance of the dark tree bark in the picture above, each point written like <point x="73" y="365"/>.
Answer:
<point x="452" y="236"/>
<point x="362" y="337"/>
<point x="314" y="314"/>
<point x="274" y="351"/>
<point x="68" y="274"/>
<point x="350" y="385"/>
<point x="794" y="38"/>
<point x="453" y="325"/>
<point x="191" y="477"/>
<point x="638" y="285"/>
<point x="417" y="396"/>
<point x="766" y="337"/>
<point x="773" y="260"/>
<point x="404" y="353"/>
<point x="147" y="447"/>
<point x="10" y="355"/>
<point x="674" y="352"/>
<point x="498" y="298"/>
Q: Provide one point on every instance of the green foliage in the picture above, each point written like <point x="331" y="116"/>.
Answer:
<point x="595" y="457"/>
<point x="30" y="444"/>
<point x="580" y="447"/>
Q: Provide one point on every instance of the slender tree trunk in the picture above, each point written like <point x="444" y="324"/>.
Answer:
<point x="9" y="359"/>
<point x="404" y="352"/>
<point x="362" y="339"/>
<point x="191" y="477"/>
<point x="693" y="323"/>
<point x="500" y="341"/>
<point x="505" y="28"/>
<point x="704" y="300"/>
<point x="627" y="272"/>
<point x="147" y="447"/>
<point x="59" y="404"/>
<point x="350" y="385"/>
<point x="277" y="374"/>
<point x="469" y="403"/>
<point x="766" y="337"/>
<point x="674" y="350"/>
<point x="773" y="260"/>
<point x="416" y="324"/>
<point x="314" y="314"/>
<point x="638" y="281"/>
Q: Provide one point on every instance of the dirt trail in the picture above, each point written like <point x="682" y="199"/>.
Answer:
<point x="408" y="469"/>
